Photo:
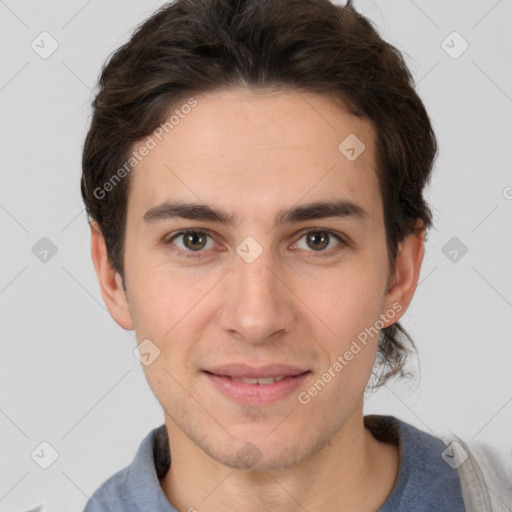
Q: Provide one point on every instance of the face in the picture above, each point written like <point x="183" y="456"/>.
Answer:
<point x="282" y="267"/>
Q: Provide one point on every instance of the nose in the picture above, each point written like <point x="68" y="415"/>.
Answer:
<point x="257" y="304"/>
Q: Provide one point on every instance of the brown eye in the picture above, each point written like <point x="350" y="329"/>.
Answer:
<point x="317" y="240"/>
<point x="321" y="241"/>
<point x="194" y="241"/>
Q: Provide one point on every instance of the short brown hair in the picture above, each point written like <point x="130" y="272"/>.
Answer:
<point x="189" y="47"/>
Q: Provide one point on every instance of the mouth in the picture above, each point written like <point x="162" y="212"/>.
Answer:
<point x="256" y="386"/>
<point x="262" y="381"/>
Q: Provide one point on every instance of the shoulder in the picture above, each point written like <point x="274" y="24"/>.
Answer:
<point x="425" y="482"/>
<point x="445" y="467"/>
<point x="133" y="485"/>
<point x="110" y="496"/>
<point x="485" y="473"/>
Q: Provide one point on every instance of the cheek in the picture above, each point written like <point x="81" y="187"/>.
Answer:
<point x="346" y="300"/>
<point x="159" y="295"/>
<point x="163" y="299"/>
<point x="167" y="312"/>
<point x="350" y="306"/>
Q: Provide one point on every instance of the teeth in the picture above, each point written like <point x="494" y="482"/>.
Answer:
<point x="262" y="381"/>
<point x="268" y="380"/>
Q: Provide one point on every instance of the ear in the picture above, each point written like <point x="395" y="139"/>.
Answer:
<point x="110" y="281"/>
<point x="402" y="284"/>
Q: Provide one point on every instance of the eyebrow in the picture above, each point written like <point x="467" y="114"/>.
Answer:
<point x="316" y="210"/>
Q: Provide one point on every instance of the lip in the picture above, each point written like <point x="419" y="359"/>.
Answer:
<point x="257" y="394"/>
<point x="243" y="371"/>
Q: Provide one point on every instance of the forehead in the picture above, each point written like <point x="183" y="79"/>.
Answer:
<point x="254" y="153"/>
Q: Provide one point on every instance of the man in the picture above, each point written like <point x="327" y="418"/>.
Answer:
<point x="254" y="175"/>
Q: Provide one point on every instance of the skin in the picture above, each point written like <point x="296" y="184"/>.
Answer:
<point x="254" y="154"/>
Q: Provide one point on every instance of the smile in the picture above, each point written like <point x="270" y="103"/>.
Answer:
<point x="256" y="390"/>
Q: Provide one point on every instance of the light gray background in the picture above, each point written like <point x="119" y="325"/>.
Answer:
<point x="67" y="372"/>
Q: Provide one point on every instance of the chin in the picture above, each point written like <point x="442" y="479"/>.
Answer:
<point x="262" y="449"/>
<point x="251" y="458"/>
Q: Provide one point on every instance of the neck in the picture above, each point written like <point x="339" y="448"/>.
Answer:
<point x="352" y="469"/>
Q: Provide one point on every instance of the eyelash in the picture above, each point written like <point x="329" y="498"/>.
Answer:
<point x="197" y="254"/>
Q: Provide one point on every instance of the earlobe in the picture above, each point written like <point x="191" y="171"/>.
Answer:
<point x="407" y="270"/>
<point x="110" y="281"/>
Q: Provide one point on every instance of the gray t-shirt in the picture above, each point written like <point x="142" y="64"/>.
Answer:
<point x="425" y="481"/>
